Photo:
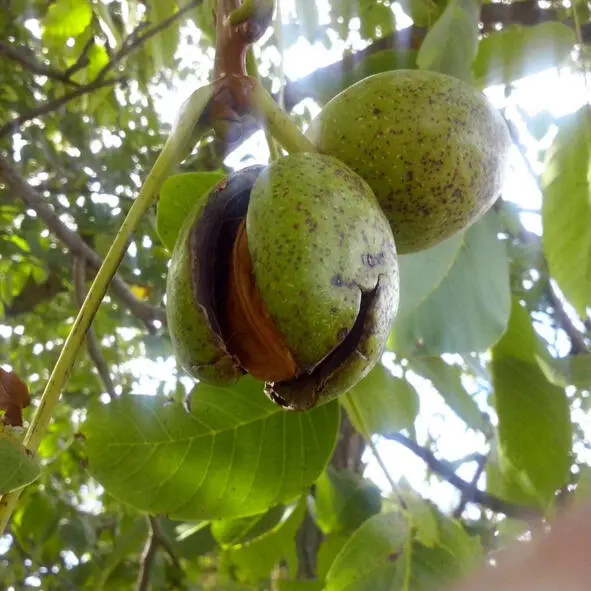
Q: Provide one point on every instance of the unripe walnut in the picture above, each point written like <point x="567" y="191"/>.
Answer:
<point x="287" y="272"/>
<point x="432" y="148"/>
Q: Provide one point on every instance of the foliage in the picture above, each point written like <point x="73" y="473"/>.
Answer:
<point x="494" y="327"/>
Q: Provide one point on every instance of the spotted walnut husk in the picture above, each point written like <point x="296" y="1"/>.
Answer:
<point x="324" y="264"/>
<point x="431" y="147"/>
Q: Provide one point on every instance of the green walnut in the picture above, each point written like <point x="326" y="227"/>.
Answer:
<point x="289" y="273"/>
<point x="431" y="147"/>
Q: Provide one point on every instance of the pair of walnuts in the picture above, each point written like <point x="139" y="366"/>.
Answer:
<point x="289" y="272"/>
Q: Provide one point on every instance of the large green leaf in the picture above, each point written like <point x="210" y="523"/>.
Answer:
<point x="178" y="196"/>
<point x="451" y="44"/>
<point x="381" y="403"/>
<point x="469" y="310"/>
<point x="421" y="272"/>
<point x="447" y="380"/>
<point x="372" y="549"/>
<point x="17" y="466"/>
<point x="344" y="500"/>
<point x="534" y="427"/>
<point x="515" y="52"/>
<point x="235" y="454"/>
<point x="566" y="209"/>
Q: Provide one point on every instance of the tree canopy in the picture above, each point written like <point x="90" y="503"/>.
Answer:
<point x="126" y="488"/>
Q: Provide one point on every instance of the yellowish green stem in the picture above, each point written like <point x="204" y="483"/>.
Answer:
<point x="253" y="70"/>
<point x="278" y="122"/>
<point x="176" y="148"/>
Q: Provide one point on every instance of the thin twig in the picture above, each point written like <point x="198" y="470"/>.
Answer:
<point x="147" y="560"/>
<point x="472" y="494"/>
<point x="55" y="104"/>
<point x="94" y="350"/>
<point x="82" y="60"/>
<point x="164" y="542"/>
<point x="34" y="66"/>
<point x="481" y="464"/>
<point x="76" y="245"/>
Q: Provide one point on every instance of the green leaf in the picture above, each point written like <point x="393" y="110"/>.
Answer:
<point x="178" y="196"/>
<point x="254" y="560"/>
<point x="235" y="454"/>
<point x="469" y="310"/>
<point x="19" y="467"/>
<point x="344" y="500"/>
<point x="423" y="271"/>
<point x="515" y="52"/>
<point x="370" y="550"/>
<point x="381" y="403"/>
<point x="451" y="44"/>
<point x="66" y="18"/>
<point x="447" y="380"/>
<point x="566" y="209"/>
<point x="534" y="427"/>
<point x="231" y="532"/>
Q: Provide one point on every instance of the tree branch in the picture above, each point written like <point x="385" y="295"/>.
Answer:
<point x="129" y="45"/>
<point x="34" y="294"/>
<point x="76" y="245"/>
<point x="33" y="66"/>
<point x="94" y="350"/>
<point x="470" y="493"/>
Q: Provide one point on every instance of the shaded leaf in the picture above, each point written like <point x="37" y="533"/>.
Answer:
<point x="254" y="560"/>
<point x="372" y="549"/>
<point x="244" y="529"/>
<point x="566" y="209"/>
<point x="18" y="467"/>
<point x="178" y="196"/>
<point x="515" y="52"/>
<point x="381" y="403"/>
<point x="421" y="272"/>
<point x="530" y="410"/>
<point x="574" y="370"/>
<point x="344" y="500"/>
<point x="451" y="44"/>
<point x="469" y="310"/>
<point x="235" y="454"/>
<point x="447" y="380"/>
